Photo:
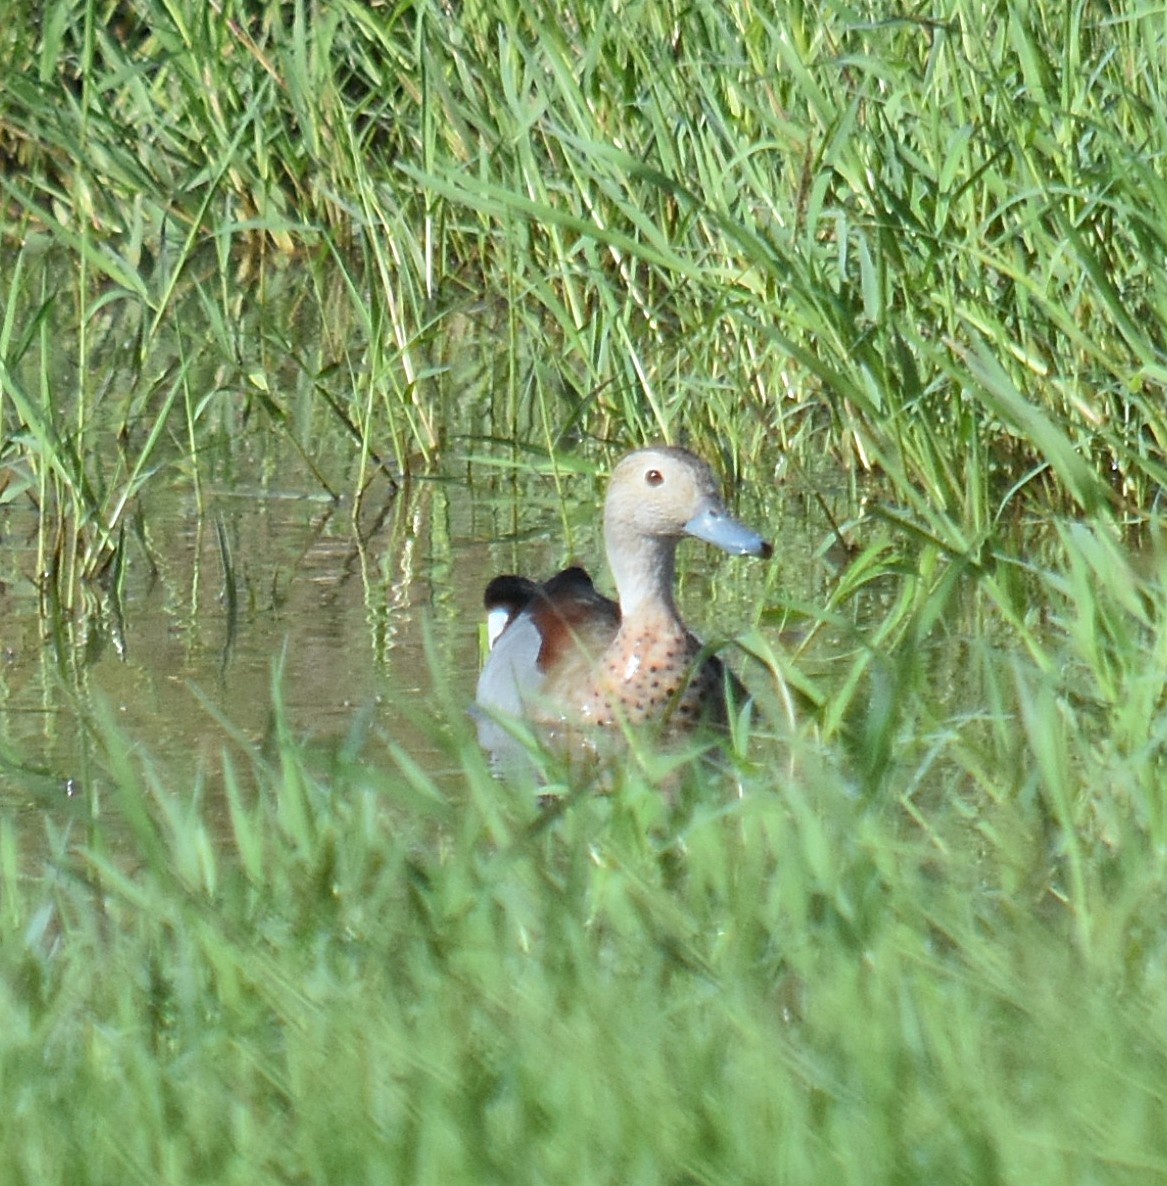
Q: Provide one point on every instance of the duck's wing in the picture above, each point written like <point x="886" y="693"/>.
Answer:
<point x="548" y="640"/>
<point x="576" y="624"/>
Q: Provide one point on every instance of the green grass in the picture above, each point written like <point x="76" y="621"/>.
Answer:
<point x="918" y="938"/>
<point x="354" y="975"/>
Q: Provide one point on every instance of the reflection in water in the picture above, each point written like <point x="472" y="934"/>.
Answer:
<point x="206" y="609"/>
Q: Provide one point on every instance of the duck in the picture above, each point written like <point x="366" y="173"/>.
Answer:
<point x="562" y="653"/>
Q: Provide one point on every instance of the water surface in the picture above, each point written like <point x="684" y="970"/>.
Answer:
<point x="370" y="615"/>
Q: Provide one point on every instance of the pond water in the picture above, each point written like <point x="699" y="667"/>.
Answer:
<point x="270" y="576"/>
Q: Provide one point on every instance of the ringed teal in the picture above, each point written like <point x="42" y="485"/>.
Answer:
<point x="561" y="652"/>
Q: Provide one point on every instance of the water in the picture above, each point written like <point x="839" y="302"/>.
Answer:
<point x="208" y="611"/>
<point x="274" y="577"/>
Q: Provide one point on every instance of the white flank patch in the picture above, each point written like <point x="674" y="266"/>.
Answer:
<point x="496" y="623"/>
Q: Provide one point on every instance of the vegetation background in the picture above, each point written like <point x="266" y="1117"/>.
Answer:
<point x="918" y="938"/>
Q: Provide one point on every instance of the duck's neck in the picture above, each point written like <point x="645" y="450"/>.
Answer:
<point x="642" y="568"/>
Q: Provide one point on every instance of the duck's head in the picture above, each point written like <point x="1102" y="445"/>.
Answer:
<point x="667" y="493"/>
<point x="656" y="497"/>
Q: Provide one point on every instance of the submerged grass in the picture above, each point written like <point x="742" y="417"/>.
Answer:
<point x="918" y="937"/>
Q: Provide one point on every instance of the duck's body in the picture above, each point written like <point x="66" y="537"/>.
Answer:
<point x="562" y="652"/>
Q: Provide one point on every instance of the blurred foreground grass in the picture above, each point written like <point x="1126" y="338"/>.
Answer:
<point x="352" y="977"/>
<point x="920" y="940"/>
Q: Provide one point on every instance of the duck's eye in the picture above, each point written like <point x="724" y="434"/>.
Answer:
<point x="654" y="477"/>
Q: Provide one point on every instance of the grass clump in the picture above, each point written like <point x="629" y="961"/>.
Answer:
<point x="347" y="972"/>
<point x="908" y="239"/>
